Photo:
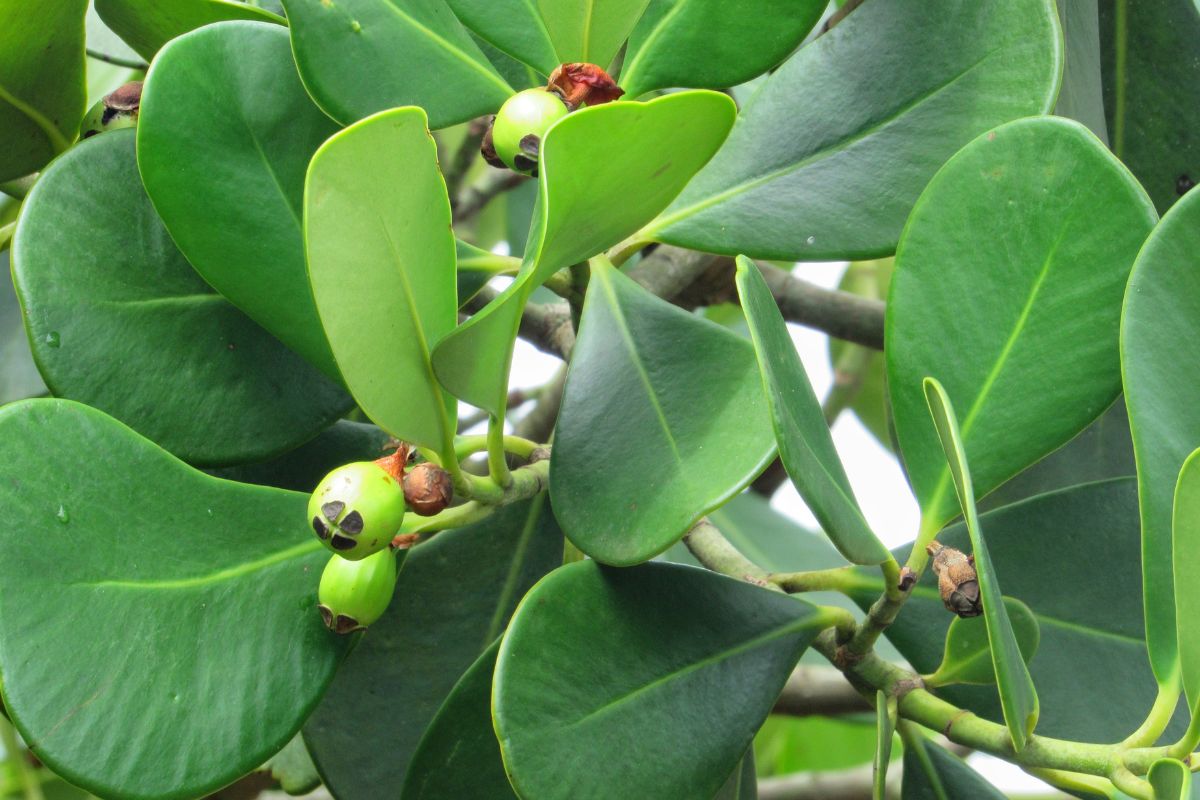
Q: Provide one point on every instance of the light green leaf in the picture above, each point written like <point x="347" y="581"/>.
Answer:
<point x="1039" y="360"/>
<point x="805" y="444"/>
<point x="591" y="31"/>
<point x="1151" y="80"/>
<point x="968" y="656"/>
<point x="375" y="199"/>
<point x="119" y="320"/>
<point x="676" y="716"/>
<point x="412" y="658"/>
<point x="1017" y="695"/>
<point x="147" y="25"/>
<point x="357" y="57"/>
<point x="208" y="587"/>
<point x="693" y="429"/>
<point x="459" y="756"/>
<point x="1185" y="549"/>
<point x="1082" y="97"/>
<point x="1160" y="317"/>
<point x="231" y="188"/>
<point x="513" y="27"/>
<point x="42" y="88"/>
<point x="1171" y="779"/>
<point x="827" y="160"/>
<point x="713" y="44"/>
<point x="604" y="172"/>
<point x="930" y="773"/>
<point x="886" y="714"/>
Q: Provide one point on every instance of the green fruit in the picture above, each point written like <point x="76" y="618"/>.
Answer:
<point x="115" y="111"/>
<point x="353" y="594"/>
<point x="527" y="113"/>
<point x="357" y="509"/>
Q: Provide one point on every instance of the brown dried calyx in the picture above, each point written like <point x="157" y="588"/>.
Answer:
<point x="428" y="489"/>
<point x="958" y="582"/>
<point x="583" y="84"/>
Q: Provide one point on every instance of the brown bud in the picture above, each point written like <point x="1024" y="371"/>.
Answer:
<point x="583" y="84"/>
<point x="427" y="489"/>
<point x="958" y="582"/>
<point x="487" y="148"/>
<point x="126" y="98"/>
<point x="906" y="580"/>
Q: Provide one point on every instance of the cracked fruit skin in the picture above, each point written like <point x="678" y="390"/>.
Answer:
<point x="357" y="509"/>
<point x="526" y="113"/>
<point x="354" y="594"/>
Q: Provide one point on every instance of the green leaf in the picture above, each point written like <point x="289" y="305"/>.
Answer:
<point x="1160" y="318"/>
<point x="826" y="161"/>
<point x="663" y="669"/>
<point x="604" y="172"/>
<point x="968" y="656"/>
<point x="476" y="267"/>
<point x="224" y="138"/>
<point x="1069" y="555"/>
<point x="1171" y="779"/>
<point x="1017" y="695"/>
<point x="459" y="756"/>
<point x="1082" y="97"/>
<point x="591" y="31"/>
<point x="1151" y="83"/>
<point x="1039" y="360"/>
<point x="787" y="744"/>
<point x="1186" y="568"/>
<point x="159" y="602"/>
<point x="118" y="319"/>
<point x="357" y="57"/>
<point x="374" y="198"/>
<point x="42" y="88"/>
<point x="293" y="768"/>
<point x="303" y="468"/>
<point x="411" y="659"/>
<point x="805" y="444"/>
<point x="703" y="43"/>
<point x="886" y="714"/>
<point x="19" y="376"/>
<point x="742" y="783"/>
<point x="514" y="27"/>
<point x="694" y="428"/>
<point x="930" y="773"/>
<point x="147" y="25"/>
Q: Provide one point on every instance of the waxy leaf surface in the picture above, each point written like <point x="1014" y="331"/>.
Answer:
<point x="147" y="25"/>
<point x="589" y="30"/>
<point x="1186" y="568"/>
<point x="968" y="656"/>
<point x="1171" y="779"/>
<point x="514" y="27"/>
<point x="145" y="597"/>
<point x="931" y="773"/>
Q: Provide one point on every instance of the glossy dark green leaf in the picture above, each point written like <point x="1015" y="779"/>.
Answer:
<point x="1081" y="97"/>
<point x="1171" y="779"/>
<point x="1185" y="547"/>
<point x="662" y="669"/>
<point x="930" y="773"/>
<point x="514" y="27"/>
<point x="704" y="43"/>
<point x="410" y="660"/>
<point x="225" y="136"/>
<point x="42" y="88"/>
<point x="1151" y="82"/>
<point x="119" y="320"/>
<point x="147" y="25"/>
<point x="303" y="468"/>
<point x="19" y="376"/>
<point x="805" y="444"/>
<point x="694" y="426"/>
<point x="1018" y="697"/>
<point x="1031" y="367"/>
<point x="968" y="656"/>
<point x="827" y="160"/>
<point x="742" y="783"/>
<point x="605" y="171"/>
<point x="153" y="600"/>
<point x="589" y="30"/>
<point x="459" y="756"/>
<point x="886" y="714"/>
<point x="375" y="199"/>
<point x="358" y="57"/>
<point x="1073" y="557"/>
<point x="1161" y="312"/>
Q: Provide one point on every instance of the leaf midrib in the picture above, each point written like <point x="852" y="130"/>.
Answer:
<point x="453" y="50"/>
<point x="58" y="140"/>
<point x="201" y="581"/>
<point x="629" y="72"/>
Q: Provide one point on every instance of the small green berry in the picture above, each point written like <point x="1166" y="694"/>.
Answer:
<point x="115" y="111"/>
<point x="357" y="509"/>
<point x="354" y="594"/>
<point x="525" y="114"/>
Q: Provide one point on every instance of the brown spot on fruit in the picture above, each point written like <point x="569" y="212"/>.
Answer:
<point x="428" y="489"/>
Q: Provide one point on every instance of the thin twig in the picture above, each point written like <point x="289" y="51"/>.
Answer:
<point x="465" y="156"/>
<point x="473" y="198"/>
<point x="539" y="423"/>
<point x="823" y="691"/>
<point x="117" y="60"/>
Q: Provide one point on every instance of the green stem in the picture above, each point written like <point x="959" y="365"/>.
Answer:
<point x="6" y="234"/>
<point x="1158" y="718"/>
<point x="497" y="457"/>
<point x="528" y="481"/>
<point x="32" y="787"/>
<point x="619" y="253"/>
<point x="469" y="445"/>
<point x="838" y="579"/>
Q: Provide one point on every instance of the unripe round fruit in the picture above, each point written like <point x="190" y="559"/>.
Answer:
<point x="354" y="594"/>
<point x="357" y="509"/>
<point x="527" y="113"/>
<point x="115" y="111"/>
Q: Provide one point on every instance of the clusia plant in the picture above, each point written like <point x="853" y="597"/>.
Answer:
<point x="283" y="516"/>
